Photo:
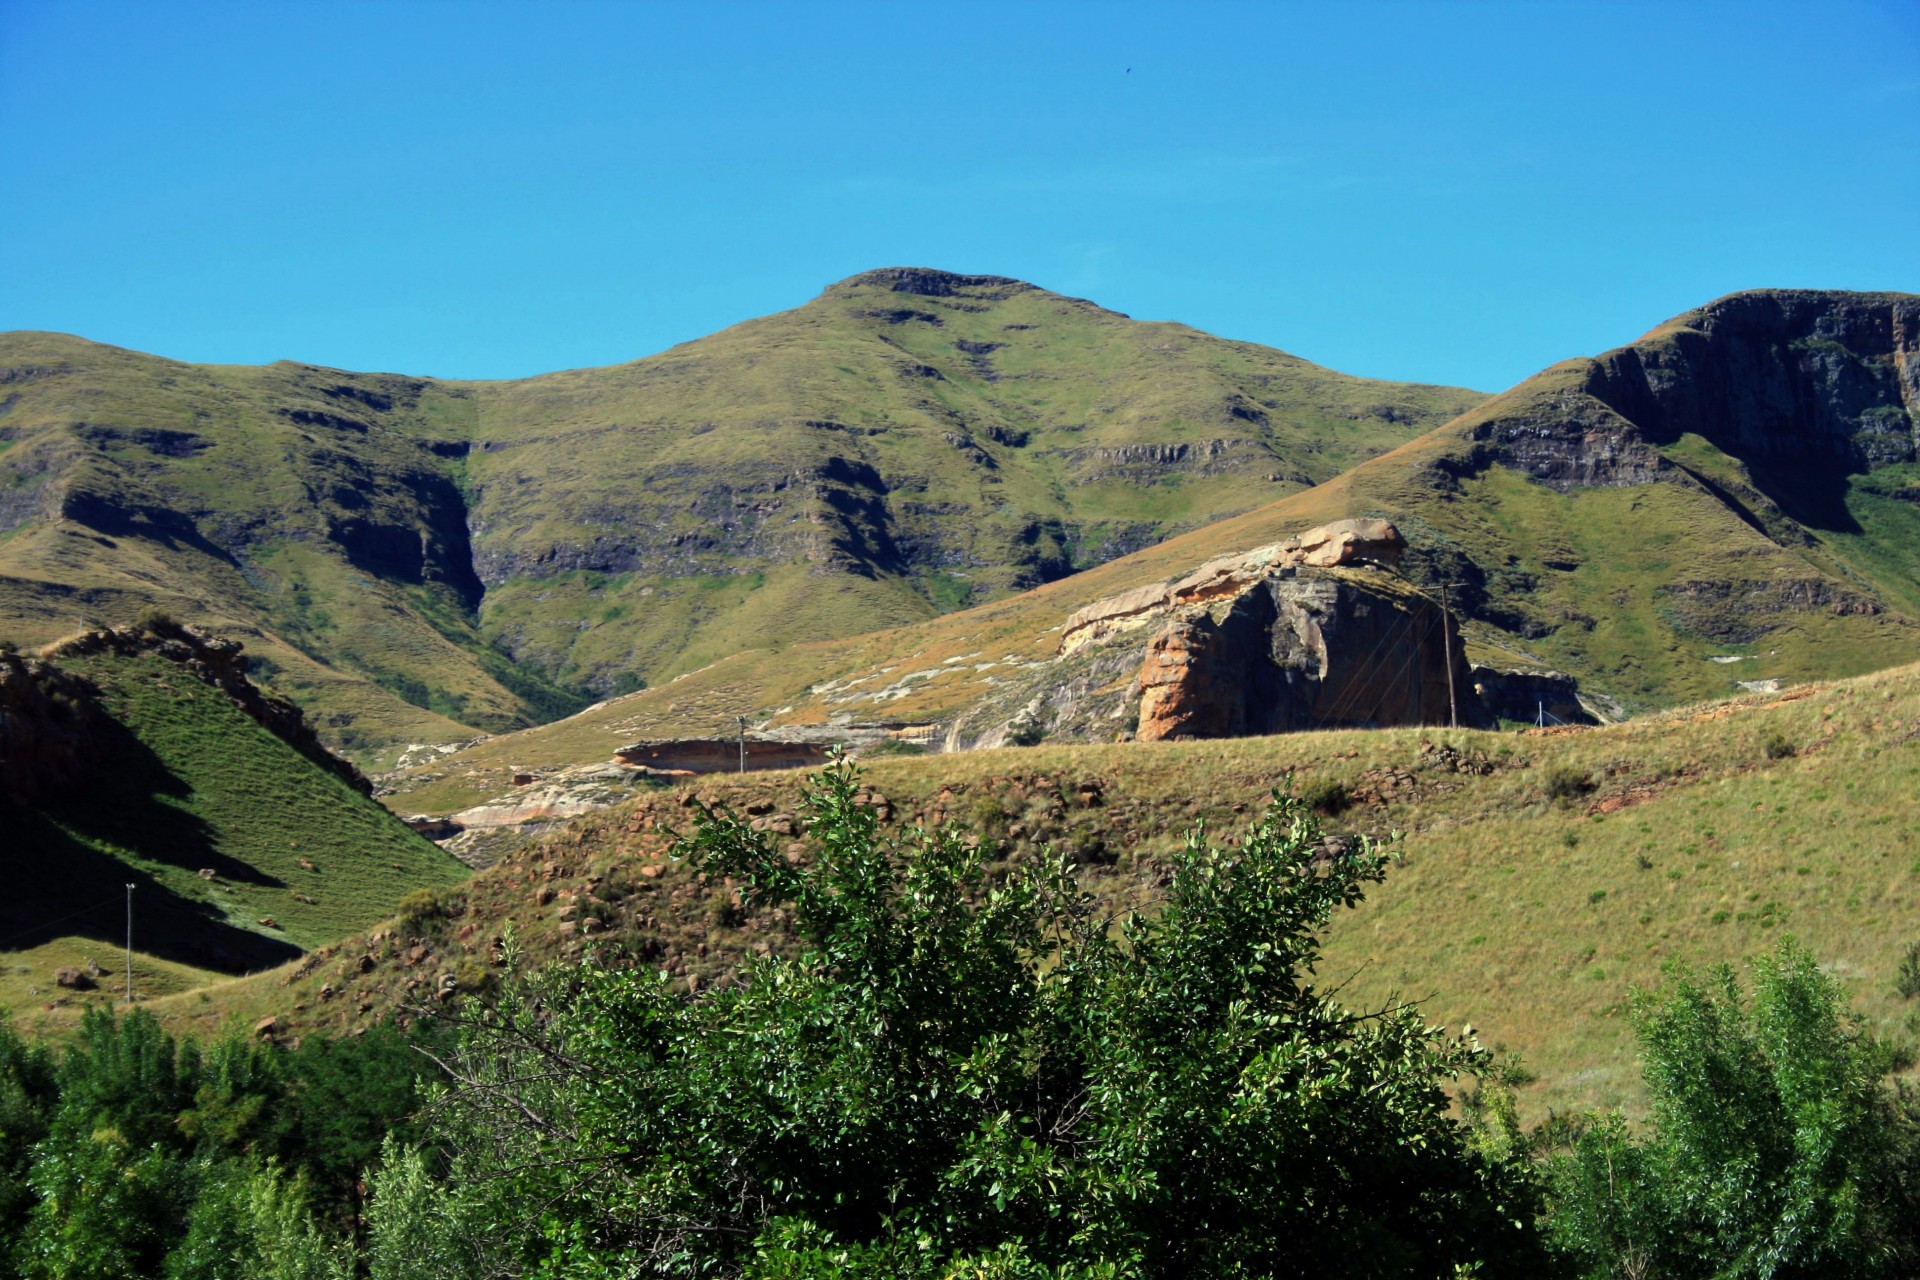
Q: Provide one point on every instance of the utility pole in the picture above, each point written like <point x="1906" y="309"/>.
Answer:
<point x="129" y="944"/>
<point x="1446" y="639"/>
<point x="743" y="742"/>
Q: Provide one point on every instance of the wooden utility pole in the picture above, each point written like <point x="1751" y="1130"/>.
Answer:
<point x="1446" y="639"/>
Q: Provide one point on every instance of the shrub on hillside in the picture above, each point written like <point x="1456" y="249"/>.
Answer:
<point x="1326" y="796"/>
<point x="156" y="621"/>
<point x="964" y="1074"/>
<point x="1907" y="980"/>
<point x="895" y="747"/>
<point x="1779" y="746"/>
<point x="1774" y="1146"/>
<point x="419" y="910"/>
<point x="1564" y="782"/>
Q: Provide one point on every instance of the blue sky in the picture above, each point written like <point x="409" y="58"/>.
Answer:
<point x="1446" y="192"/>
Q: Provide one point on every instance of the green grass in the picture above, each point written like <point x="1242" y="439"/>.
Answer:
<point x="1530" y="909"/>
<point x="182" y="781"/>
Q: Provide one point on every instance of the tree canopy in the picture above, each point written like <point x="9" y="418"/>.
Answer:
<point x="964" y="1073"/>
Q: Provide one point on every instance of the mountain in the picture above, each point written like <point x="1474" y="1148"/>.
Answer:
<point x="415" y="560"/>
<point x="145" y="756"/>
<point x="1730" y="498"/>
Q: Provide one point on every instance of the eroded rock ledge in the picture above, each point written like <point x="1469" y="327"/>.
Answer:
<point x="1317" y="632"/>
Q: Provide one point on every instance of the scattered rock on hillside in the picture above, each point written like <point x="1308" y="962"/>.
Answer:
<point x="73" y="979"/>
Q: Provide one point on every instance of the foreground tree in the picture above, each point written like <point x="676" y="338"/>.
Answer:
<point x="964" y="1075"/>
<point x="1775" y="1147"/>
<point x="132" y="1153"/>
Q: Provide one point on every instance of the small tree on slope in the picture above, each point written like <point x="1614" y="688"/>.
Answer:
<point x="1774" y="1148"/>
<point x="960" y="1075"/>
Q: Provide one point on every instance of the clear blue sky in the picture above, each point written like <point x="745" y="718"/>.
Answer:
<point x="1446" y="192"/>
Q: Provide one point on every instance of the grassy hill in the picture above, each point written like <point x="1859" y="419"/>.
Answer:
<point x="417" y="560"/>
<point x="243" y="851"/>
<point x="1738" y="517"/>
<point x="1541" y="876"/>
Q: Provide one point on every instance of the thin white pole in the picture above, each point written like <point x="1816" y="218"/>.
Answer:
<point x="129" y="944"/>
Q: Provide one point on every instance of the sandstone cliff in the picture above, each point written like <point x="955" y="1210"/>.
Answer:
<point x="1317" y="631"/>
<point x="1305" y="648"/>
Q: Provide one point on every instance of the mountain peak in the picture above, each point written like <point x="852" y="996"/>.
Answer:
<point x="926" y="282"/>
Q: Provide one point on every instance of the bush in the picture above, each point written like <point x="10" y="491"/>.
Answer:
<point x="156" y="621"/>
<point x="1773" y="1148"/>
<point x="1779" y="747"/>
<point x="1564" y="782"/>
<point x="419" y="909"/>
<point x="969" y="1074"/>
<point x="138" y="1155"/>
<point x="895" y="747"/>
<point x="1907" y="980"/>
<point x="1326" y="796"/>
<point x="1026" y="733"/>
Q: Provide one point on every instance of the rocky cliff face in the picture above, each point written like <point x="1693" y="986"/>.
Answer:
<point x="1790" y="377"/>
<point x="1314" y="632"/>
<point x="1304" y="649"/>
<point x="46" y="719"/>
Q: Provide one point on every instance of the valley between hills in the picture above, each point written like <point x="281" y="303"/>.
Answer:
<point x="907" y="518"/>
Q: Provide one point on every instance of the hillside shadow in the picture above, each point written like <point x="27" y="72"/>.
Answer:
<point x="59" y="886"/>
<point x="122" y="801"/>
<point x="1812" y="496"/>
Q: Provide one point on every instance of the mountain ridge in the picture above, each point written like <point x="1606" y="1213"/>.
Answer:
<point x="1572" y="540"/>
<point x="417" y="560"/>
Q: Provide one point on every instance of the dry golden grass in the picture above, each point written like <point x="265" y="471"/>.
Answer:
<point x="1531" y="917"/>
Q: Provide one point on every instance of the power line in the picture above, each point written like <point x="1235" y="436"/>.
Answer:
<point x="1345" y="701"/>
<point x="44" y="925"/>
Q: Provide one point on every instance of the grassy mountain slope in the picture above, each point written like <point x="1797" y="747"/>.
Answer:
<point x="908" y="442"/>
<point x="304" y="510"/>
<point x="1660" y="557"/>
<point x="417" y="560"/>
<point x="1541" y="877"/>
<point x="173" y="778"/>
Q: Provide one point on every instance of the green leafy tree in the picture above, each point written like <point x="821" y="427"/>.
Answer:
<point x="28" y="1093"/>
<point x="968" y="1075"/>
<point x="139" y="1155"/>
<point x="1775" y="1148"/>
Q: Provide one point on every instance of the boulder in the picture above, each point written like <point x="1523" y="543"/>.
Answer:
<point x="1305" y="650"/>
<point x="73" y="979"/>
<point x="1341" y="543"/>
<point x="1352" y="542"/>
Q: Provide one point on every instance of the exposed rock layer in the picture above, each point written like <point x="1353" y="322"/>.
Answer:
<point x="1783" y="376"/>
<point x="1304" y="649"/>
